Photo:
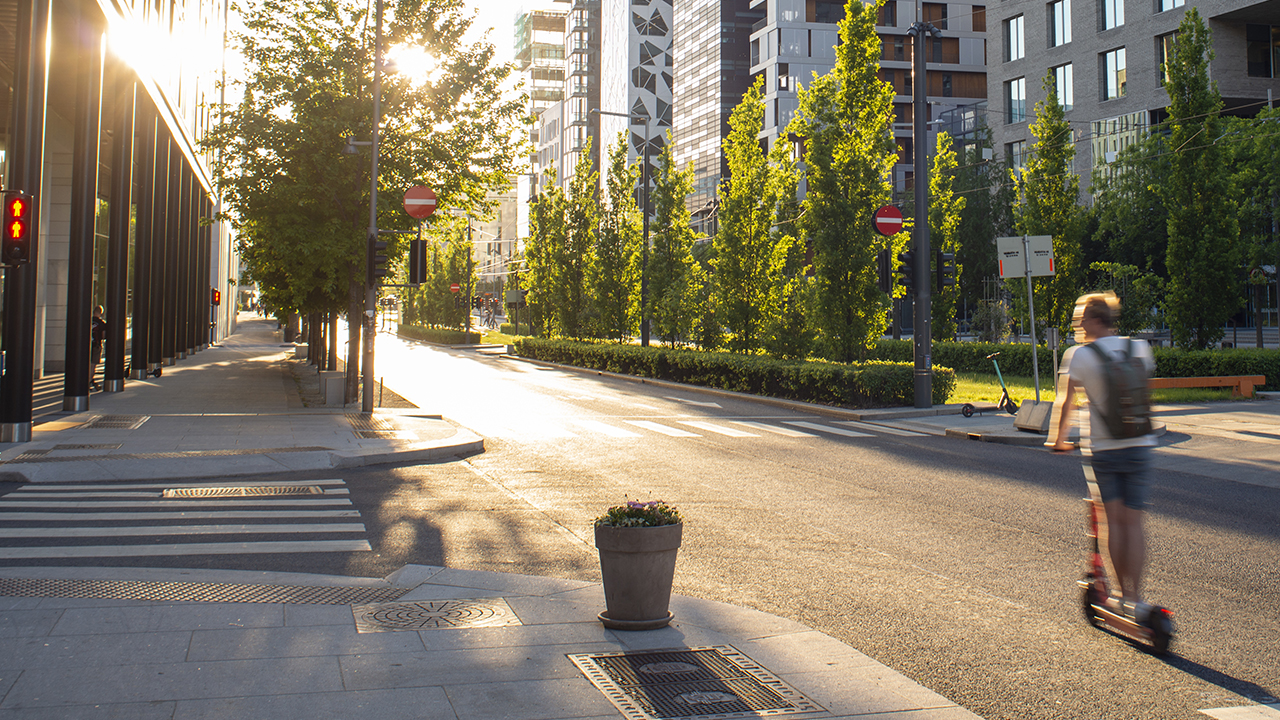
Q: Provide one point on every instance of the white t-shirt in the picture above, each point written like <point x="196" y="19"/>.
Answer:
<point x="1085" y="367"/>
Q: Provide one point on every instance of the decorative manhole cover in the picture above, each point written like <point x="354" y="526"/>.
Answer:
<point x="434" y="614"/>
<point x="247" y="491"/>
<point x="116" y="422"/>
<point x="685" y="683"/>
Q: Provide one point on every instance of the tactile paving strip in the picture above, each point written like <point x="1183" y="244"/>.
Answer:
<point x="434" y="615"/>
<point x="168" y="455"/>
<point x="195" y="591"/>
<point x="242" y="491"/>
<point x="115" y="422"/>
<point x="370" y="422"/>
<point x="687" y="683"/>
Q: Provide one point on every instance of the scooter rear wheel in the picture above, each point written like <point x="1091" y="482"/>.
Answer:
<point x="1086" y="603"/>
<point x="1161" y="633"/>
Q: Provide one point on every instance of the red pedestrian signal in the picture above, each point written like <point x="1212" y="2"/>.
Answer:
<point x="18" y="209"/>
<point x="217" y="297"/>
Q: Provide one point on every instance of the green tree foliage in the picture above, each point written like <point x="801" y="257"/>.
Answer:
<point x="577" y="256"/>
<point x="434" y="304"/>
<point x="844" y="118"/>
<point x="1256" y="157"/>
<point x="988" y="195"/>
<point x="1132" y="221"/>
<point x="547" y="239"/>
<point x="1203" y="257"/>
<point x="788" y="328"/>
<point x="671" y="290"/>
<point x="945" y="209"/>
<point x="1047" y="191"/>
<point x="300" y="204"/>
<point x="615" y="276"/>
<point x="1140" y="292"/>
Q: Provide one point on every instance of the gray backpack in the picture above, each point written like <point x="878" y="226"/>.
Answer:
<point x="1127" y="411"/>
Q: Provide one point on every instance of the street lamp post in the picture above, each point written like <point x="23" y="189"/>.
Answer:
<point x="371" y="288"/>
<point x="644" y="251"/>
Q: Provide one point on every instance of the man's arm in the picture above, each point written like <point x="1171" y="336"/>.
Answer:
<point x="1064" y="404"/>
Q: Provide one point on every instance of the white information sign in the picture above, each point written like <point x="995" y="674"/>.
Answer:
<point x="1009" y="255"/>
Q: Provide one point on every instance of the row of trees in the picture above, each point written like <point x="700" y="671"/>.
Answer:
<point x="785" y="277"/>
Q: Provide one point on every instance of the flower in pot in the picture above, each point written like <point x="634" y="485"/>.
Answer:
<point x="638" y="543"/>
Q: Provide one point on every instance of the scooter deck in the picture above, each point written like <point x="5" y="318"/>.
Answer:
<point x="1158" y="639"/>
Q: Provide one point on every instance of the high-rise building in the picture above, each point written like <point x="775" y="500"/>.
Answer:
<point x="635" y="74"/>
<point x="1105" y="61"/>
<point x="710" y="45"/>
<point x="540" y="55"/>
<point x="798" y="37"/>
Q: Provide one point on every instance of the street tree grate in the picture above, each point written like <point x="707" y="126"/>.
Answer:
<point x="195" y="592"/>
<point x="115" y="422"/>
<point x="434" y="615"/>
<point x="707" y="683"/>
<point x="242" y="491"/>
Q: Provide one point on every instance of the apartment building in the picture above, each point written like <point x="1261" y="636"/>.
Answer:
<point x="540" y="55"/>
<point x="1105" y="58"/>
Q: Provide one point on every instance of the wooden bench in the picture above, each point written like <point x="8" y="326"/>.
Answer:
<point x="1241" y="385"/>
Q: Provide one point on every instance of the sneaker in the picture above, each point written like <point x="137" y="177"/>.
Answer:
<point x="1138" y="610"/>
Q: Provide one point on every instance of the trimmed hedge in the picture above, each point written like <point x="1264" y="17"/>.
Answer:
<point x="442" y="336"/>
<point x="859" y="385"/>
<point x="510" y="329"/>
<point x="1015" y="359"/>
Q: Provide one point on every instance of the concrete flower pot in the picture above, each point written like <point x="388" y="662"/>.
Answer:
<point x="638" y="565"/>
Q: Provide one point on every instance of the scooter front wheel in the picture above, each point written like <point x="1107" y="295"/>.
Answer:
<point x="967" y="410"/>
<point x="1161" y="633"/>
<point x="1086" y="598"/>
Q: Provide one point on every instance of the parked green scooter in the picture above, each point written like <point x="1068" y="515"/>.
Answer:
<point x="1005" y="402"/>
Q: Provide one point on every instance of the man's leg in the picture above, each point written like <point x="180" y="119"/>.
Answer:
<point x="1127" y="547"/>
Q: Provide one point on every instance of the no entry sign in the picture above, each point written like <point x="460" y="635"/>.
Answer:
<point x="419" y="202"/>
<point x="888" y="220"/>
<point x="455" y="288"/>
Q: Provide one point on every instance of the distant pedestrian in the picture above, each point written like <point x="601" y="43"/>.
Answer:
<point x="97" y="334"/>
<point x="1112" y="371"/>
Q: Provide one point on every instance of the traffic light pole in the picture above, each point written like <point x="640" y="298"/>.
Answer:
<point x="371" y="286"/>
<point x="922" y="332"/>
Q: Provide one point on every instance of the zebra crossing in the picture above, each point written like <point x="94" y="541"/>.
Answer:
<point x="163" y="519"/>
<point x="531" y="430"/>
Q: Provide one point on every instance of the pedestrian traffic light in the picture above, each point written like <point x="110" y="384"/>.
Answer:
<point x="417" y="262"/>
<point x="19" y="208"/>
<point x="907" y="270"/>
<point x="217" y="296"/>
<point x="884" y="271"/>
<point x="377" y="260"/>
<point x="946" y="270"/>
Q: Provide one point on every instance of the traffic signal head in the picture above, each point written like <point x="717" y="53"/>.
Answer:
<point x="907" y="270"/>
<point x="946" y="270"/>
<point x="19" y="209"/>
<point x="217" y="296"/>
<point x="377" y="260"/>
<point x="884" y="276"/>
<point x="417" y="262"/>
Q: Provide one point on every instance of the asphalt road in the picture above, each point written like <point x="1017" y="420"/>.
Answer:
<point x="951" y="561"/>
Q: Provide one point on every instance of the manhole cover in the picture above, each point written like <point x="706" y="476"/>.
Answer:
<point x="702" y="682"/>
<point x="116" y="422"/>
<point x="434" y="614"/>
<point x="248" y="491"/>
<point x="195" y="592"/>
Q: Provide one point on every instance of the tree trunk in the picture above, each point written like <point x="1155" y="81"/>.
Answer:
<point x="332" y="354"/>
<point x="355" y="322"/>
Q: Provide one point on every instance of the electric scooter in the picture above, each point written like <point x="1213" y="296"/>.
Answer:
<point x="1005" y="402"/>
<point x="1101" y="609"/>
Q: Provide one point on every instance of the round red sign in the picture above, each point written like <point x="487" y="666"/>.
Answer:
<point x="419" y="202"/>
<point x="455" y="288"/>
<point x="888" y="220"/>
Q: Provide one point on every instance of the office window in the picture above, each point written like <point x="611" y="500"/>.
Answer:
<point x="889" y="14"/>
<point x="1263" y="49"/>
<point x="1064" y="84"/>
<point x="1164" y="53"/>
<point x="1015" y="154"/>
<point x="935" y="13"/>
<point x="1014" y="48"/>
<point x="1112" y="14"/>
<point x="946" y="85"/>
<point x="1059" y="23"/>
<point x="1015" y="105"/>
<point x="1113" y="74"/>
<point x="1163" y="5"/>
<point x="979" y="18"/>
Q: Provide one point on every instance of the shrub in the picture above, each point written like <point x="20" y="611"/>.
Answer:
<point x="861" y="385"/>
<point x="443" y="336"/>
<point x="511" y="329"/>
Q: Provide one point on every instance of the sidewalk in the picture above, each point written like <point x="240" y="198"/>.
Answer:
<point x="424" y="642"/>
<point x="234" y="409"/>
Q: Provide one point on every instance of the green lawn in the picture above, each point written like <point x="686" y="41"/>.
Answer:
<point x="981" y="387"/>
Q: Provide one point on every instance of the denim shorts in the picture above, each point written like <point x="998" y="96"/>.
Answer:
<point x="1122" y="474"/>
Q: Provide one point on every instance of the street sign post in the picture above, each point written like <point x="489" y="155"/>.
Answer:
<point x="888" y="220"/>
<point x="1026" y="257"/>
<point x="419" y="202"/>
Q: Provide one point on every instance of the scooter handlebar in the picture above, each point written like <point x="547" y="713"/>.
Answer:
<point x="993" y="354"/>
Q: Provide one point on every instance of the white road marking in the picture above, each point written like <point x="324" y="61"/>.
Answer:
<point x="219" y="502"/>
<point x="605" y="429"/>
<point x="1245" y="712"/>
<point x="828" y="429"/>
<point x="881" y="428"/>
<point x="722" y="430"/>
<point x="301" y="546"/>
<point x="59" y="487"/>
<point x="660" y="428"/>
<point x="192" y="515"/>
<point x="694" y="402"/>
<point x="180" y="530"/>
<point x="773" y="429"/>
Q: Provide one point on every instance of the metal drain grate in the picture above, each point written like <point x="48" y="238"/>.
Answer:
<point x="30" y="455"/>
<point x="685" y="683"/>
<point x="245" y="491"/>
<point x="115" y="422"/>
<point x="377" y="434"/>
<point x="195" y="592"/>
<point x="370" y="422"/>
<point x="88" y="446"/>
<point x="434" y="614"/>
